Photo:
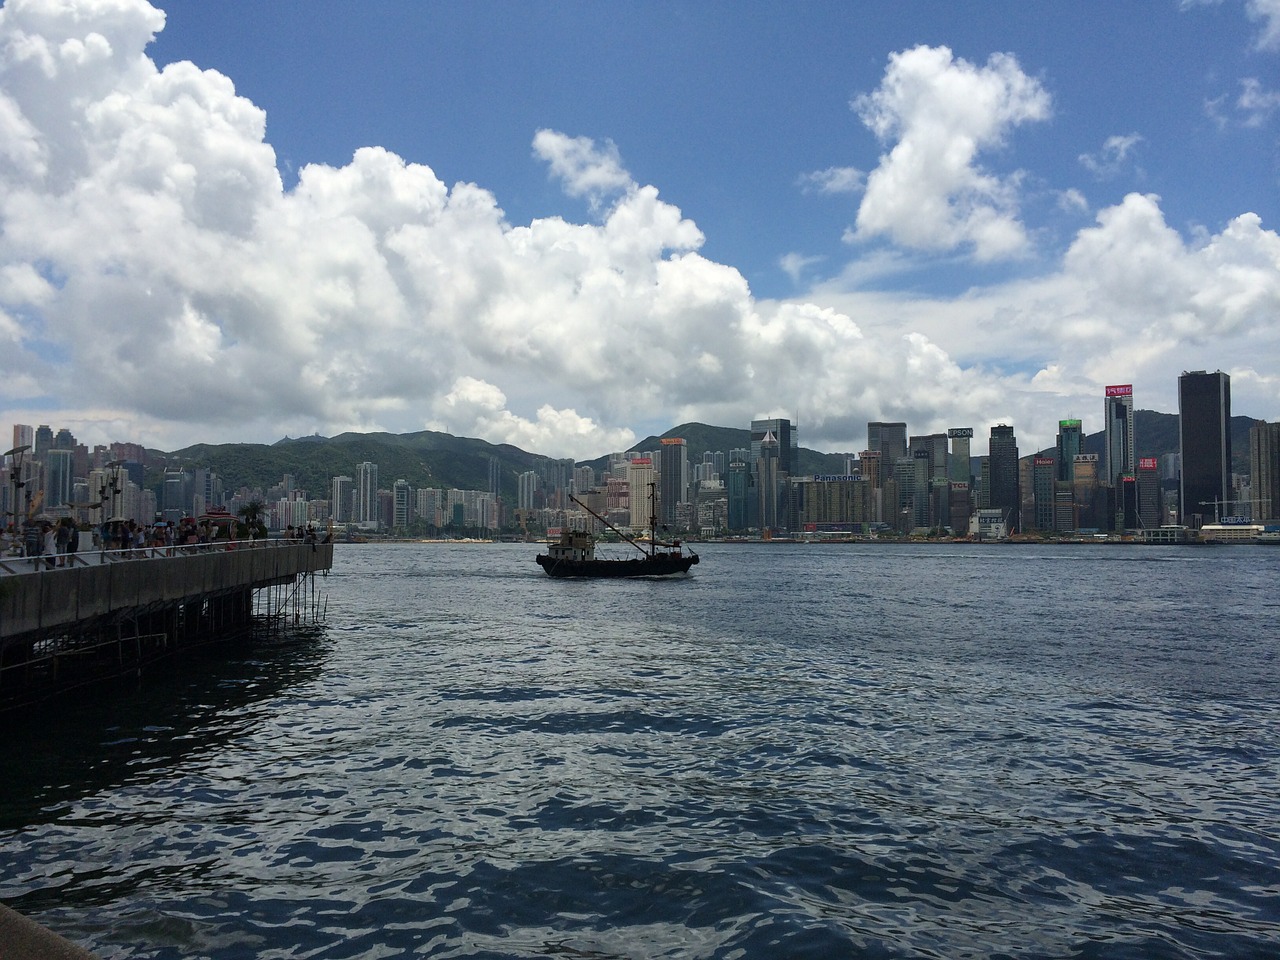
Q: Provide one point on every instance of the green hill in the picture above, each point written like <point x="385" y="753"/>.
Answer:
<point x="431" y="459"/>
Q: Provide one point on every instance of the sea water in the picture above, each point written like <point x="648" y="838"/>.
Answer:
<point x="796" y="751"/>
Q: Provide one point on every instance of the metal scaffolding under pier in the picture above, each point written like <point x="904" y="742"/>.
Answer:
<point x="109" y="613"/>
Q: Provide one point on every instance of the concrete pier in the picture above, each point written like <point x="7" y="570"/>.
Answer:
<point x="108" y="613"/>
<point x="23" y="939"/>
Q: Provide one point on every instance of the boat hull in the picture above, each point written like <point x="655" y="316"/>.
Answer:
<point x="659" y="565"/>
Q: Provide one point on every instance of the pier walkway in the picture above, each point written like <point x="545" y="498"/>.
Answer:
<point x="109" y="612"/>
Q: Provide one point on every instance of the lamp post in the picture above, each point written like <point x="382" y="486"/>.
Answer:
<point x="15" y="457"/>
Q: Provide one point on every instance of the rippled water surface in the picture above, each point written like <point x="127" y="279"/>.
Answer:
<point x="797" y="751"/>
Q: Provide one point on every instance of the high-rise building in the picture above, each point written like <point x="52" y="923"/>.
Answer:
<point x="738" y="489"/>
<point x="935" y="446"/>
<point x="639" y="479"/>
<point x="1117" y="425"/>
<point x="584" y="480"/>
<point x="1148" y="480"/>
<point x="1090" y="497"/>
<point x="340" y="502"/>
<point x="24" y="435"/>
<point x="43" y="442"/>
<point x="1002" y="492"/>
<point x="769" y="482"/>
<point x="1204" y="437"/>
<point x="1070" y="443"/>
<point x="921" y="502"/>
<point x="673" y="479"/>
<point x="495" y="476"/>
<point x="787" y="439"/>
<point x="961" y="467"/>
<point x="1044" y="472"/>
<point x="402" y="504"/>
<point x="367" y="509"/>
<point x="58" y="478"/>
<point x="890" y="441"/>
<point x="1264" y="470"/>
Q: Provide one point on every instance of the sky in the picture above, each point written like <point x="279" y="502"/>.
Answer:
<point x="570" y="225"/>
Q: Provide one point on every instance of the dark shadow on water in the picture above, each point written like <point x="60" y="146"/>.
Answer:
<point x="132" y="730"/>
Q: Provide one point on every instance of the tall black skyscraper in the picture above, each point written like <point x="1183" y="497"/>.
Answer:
<point x="1204" y="434"/>
<point x="1002" y="466"/>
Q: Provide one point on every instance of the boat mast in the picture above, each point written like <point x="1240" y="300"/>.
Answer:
<point x="653" y="518"/>
<point x="629" y="539"/>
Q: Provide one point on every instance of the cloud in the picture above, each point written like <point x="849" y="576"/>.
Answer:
<point x="557" y="433"/>
<point x="1111" y="159"/>
<point x="1072" y="200"/>
<point x="159" y="283"/>
<point x="835" y="180"/>
<point x="1256" y="103"/>
<point x="586" y="168"/>
<point x="795" y="265"/>
<point x="940" y="113"/>
<point x="1268" y="12"/>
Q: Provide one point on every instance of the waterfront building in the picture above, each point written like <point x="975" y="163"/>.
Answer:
<point x="639" y="477"/>
<point x="769" y="482"/>
<point x="961" y="469"/>
<point x="1148" y="480"/>
<point x="1117" y="426"/>
<point x="673" y="480"/>
<point x="1264" y="470"/>
<point x="1070" y="443"/>
<point x="922" y="514"/>
<point x="1002" y="488"/>
<point x="1044" y="472"/>
<point x="402" y="505"/>
<point x="836" y="504"/>
<point x="1204" y="438"/>
<point x="904" y="489"/>
<point x="428" y="505"/>
<point x="890" y="441"/>
<point x="960" y="509"/>
<point x="935" y="445"/>
<point x="1089" y="495"/>
<point x="739" y="494"/>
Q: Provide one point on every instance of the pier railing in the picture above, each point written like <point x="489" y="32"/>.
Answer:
<point x="111" y="610"/>
<point x="16" y="565"/>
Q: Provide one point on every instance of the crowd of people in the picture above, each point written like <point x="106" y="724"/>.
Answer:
<point x="51" y="544"/>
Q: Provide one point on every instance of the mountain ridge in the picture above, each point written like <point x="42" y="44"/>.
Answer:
<point x="428" y="458"/>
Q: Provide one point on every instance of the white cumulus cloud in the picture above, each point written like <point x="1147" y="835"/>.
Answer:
<point x="158" y="282"/>
<point x="929" y="191"/>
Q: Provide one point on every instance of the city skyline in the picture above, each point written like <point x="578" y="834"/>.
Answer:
<point x="230" y="221"/>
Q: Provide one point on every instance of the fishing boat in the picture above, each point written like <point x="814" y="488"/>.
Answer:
<point x="574" y="554"/>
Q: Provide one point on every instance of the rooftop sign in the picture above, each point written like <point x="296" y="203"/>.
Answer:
<point x="1120" y="390"/>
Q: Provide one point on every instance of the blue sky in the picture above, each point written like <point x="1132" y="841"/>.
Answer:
<point x="725" y="107"/>
<point x="582" y="222"/>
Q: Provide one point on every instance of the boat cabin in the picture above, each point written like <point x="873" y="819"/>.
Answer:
<point x="573" y="545"/>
